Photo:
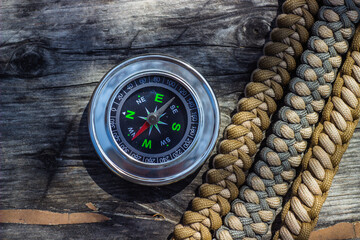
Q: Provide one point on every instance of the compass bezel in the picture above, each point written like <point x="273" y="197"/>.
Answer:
<point x="160" y="173"/>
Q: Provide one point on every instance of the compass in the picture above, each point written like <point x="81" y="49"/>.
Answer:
<point x="153" y="119"/>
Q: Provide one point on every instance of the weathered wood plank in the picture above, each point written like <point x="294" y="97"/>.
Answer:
<point x="52" y="55"/>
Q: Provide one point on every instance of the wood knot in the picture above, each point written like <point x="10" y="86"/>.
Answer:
<point x="29" y="60"/>
<point x="253" y="31"/>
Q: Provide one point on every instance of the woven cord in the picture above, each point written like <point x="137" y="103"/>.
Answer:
<point x="253" y="117"/>
<point x="261" y="196"/>
<point x="329" y="142"/>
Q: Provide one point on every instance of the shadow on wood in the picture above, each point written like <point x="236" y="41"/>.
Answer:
<point x="115" y="185"/>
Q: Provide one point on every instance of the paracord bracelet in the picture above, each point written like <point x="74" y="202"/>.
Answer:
<point x="253" y="117"/>
<point x="328" y="144"/>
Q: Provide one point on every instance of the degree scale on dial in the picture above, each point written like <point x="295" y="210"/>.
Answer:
<point x="168" y="137"/>
<point x="153" y="119"/>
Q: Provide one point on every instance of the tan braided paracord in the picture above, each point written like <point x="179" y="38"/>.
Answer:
<point x="253" y="117"/>
<point x="329" y="142"/>
<point x="261" y="195"/>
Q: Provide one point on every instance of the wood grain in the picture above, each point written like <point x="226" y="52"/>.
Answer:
<point x="52" y="55"/>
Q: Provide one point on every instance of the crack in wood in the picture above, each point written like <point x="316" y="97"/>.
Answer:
<point x="51" y="160"/>
<point x="156" y="212"/>
<point x="131" y="43"/>
<point x="143" y="217"/>
<point x="66" y="86"/>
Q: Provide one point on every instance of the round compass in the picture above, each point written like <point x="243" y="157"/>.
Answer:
<point x="153" y="119"/>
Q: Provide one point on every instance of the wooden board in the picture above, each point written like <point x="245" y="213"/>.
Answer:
<point x="52" y="55"/>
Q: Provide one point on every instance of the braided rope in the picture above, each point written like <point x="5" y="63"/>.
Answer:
<point x="261" y="196"/>
<point x="329" y="142"/>
<point x="253" y="117"/>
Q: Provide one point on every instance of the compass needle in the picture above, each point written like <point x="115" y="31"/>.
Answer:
<point x="164" y="107"/>
<point x="183" y="110"/>
<point x="145" y="126"/>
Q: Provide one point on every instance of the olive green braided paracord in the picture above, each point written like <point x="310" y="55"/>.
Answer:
<point x="329" y="142"/>
<point x="253" y="117"/>
<point x="261" y="195"/>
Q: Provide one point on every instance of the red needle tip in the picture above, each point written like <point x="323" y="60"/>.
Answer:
<point x="141" y="130"/>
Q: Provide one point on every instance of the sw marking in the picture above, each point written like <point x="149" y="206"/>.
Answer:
<point x="165" y="141"/>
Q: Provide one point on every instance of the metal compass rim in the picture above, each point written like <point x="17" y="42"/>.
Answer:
<point x="123" y="165"/>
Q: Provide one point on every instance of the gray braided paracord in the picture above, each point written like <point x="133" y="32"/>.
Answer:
<point x="261" y="196"/>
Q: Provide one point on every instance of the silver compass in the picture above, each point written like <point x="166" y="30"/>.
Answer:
<point x="153" y="119"/>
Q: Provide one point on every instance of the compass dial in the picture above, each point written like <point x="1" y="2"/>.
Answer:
<point x="154" y="119"/>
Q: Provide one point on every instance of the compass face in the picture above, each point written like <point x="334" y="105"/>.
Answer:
<point x="154" y="119"/>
